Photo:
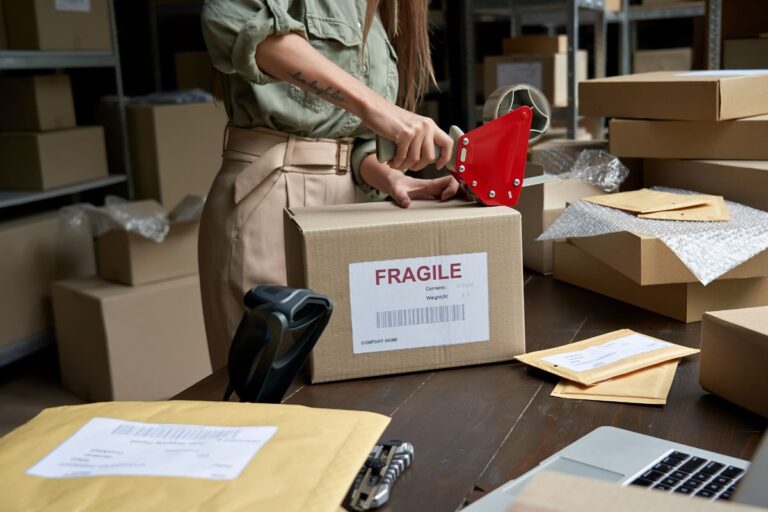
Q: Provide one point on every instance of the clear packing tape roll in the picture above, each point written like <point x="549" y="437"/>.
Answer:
<point x="593" y="166"/>
<point x="708" y="249"/>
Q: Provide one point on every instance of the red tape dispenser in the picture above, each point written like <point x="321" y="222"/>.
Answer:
<point x="490" y="160"/>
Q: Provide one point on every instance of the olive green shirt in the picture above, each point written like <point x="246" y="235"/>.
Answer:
<point x="233" y="29"/>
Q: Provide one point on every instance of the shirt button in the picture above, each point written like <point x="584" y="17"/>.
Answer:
<point x="359" y="25"/>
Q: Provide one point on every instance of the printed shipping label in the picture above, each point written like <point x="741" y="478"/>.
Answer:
<point x="73" y="5"/>
<point x="607" y="353"/>
<point x="106" y="446"/>
<point x="510" y="73"/>
<point x="419" y="302"/>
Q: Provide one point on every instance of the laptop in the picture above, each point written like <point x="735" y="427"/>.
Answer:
<point x="628" y="458"/>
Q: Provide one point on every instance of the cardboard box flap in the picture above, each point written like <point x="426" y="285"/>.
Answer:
<point x="752" y="319"/>
<point x="362" y="216"/>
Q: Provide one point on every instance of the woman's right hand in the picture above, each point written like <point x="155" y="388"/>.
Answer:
<point x="415" y="136"/>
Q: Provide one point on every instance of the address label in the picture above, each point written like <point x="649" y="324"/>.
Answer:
<point x="419" y="302"/>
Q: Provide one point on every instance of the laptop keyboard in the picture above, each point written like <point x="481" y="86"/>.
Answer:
<point x="682" y="473"/>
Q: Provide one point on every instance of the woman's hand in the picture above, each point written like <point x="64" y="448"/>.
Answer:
<point x="415" y="136"/>
<point x="402" y="188"/>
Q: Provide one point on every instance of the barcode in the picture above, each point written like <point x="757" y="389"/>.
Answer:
<point x="164" y="432"/>
<point x="420" y="316"/>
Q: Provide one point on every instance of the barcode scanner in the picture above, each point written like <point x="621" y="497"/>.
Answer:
<point x="272" y="314"/>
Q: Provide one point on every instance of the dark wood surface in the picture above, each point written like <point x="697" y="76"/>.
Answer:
<point x="475" y="428"/>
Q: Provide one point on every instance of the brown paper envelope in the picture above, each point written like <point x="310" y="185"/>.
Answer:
<point x="557" y="492"/>
<point x="714" y="210"/>
<point x="308" y="465"/>
<point x="605" y="368"/>
<point x="647" y="386"/>
<point x="646" y="201"/>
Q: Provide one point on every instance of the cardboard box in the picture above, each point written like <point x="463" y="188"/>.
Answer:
<point x="738" y="139"/>
<point x="58" y="25"/>
<point x="548" y="73"/>
<point x="129" y="258"/>
<point x="670" y="59"/>
<point x="45" y="160"/>
<point x="130" y="343"/>
<point x="194" y="70"/>
<point x="612" y="5"/>
<point x="734" y="348"/>
<point x="745" y="53"/>
<point x="540" y="206"/>
<point x="647" y="260"/>
<point x="40" y="103"/>
<point x="175" y="149"/>
<point x="742" y="181"/>
<point x="436" y="285"/>
<point x="534" y="45"/>
<point x="686" y="302"/>
<point x="33" y="256"/>
<point x="688" y="95"/>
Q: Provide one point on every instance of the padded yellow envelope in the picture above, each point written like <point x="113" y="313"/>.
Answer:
<point x="647" y="201"/>
<point x="604" y="357"/>
<point x="308" y="465"/>
<point x="714" y="210"/>
<point x="647" y="386"/>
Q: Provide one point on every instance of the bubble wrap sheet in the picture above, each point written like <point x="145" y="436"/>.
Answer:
<point x="708" y="249"/>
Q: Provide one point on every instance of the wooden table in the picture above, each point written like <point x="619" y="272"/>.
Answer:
<point x="475" y="428"/>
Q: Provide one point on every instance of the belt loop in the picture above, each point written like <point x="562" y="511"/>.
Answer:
<point x="342" y="156"/>
<point x="225" y="139"/>
<point x="289" y="150"/>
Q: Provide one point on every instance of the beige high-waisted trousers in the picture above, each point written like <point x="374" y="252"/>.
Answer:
<point x="241" y="241"/>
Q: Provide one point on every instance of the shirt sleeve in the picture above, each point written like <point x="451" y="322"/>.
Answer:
<point x="361" y="149"/>
<point x="233" y="29"/>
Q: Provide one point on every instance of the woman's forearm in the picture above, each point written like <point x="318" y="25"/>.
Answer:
<point x="291" y="58"/>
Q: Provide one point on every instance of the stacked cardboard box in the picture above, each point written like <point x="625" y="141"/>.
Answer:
<point x="40" y="145"/>
<point x="140" y="321"/>
<point x="540" y="61"/>
<point x="668" y="59"/>
<point x="676" y="115"/>
<point x="58" y="26"/>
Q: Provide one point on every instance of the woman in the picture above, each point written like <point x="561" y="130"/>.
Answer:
<point x="307" y="84"/>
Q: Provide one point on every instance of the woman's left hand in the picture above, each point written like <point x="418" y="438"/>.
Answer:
<point x="405" y="188"/>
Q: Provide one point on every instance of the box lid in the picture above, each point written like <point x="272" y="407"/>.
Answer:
<point x="689" y="95"/>
<point x="752" y="319"/>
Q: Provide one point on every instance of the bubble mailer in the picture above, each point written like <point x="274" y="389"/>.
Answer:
<point x="708" y="249"/>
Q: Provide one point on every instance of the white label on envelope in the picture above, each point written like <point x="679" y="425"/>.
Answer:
<point x="607" y="353"/>
<point x="106" y="446"/>
<point x="419" y="302"/>
<point x="73" y="5"/>
<point x="511" y="73"/>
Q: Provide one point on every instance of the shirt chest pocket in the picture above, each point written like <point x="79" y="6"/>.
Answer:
<point x="339" y="41"/>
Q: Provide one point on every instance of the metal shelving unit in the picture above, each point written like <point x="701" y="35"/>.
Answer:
<point x="572" y="14"/>
<point x="30" y="59"/>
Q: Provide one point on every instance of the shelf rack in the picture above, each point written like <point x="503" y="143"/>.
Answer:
<point x="11" y="60"/>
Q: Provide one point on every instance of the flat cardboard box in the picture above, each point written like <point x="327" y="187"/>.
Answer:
<point x="58" y="25"/>
<point x="534" y="45"/>
<point x="668" y="59"/>
<point x="194" y="70"/>
<point x="175" y="149"/>
<point x="46" y="160"/>
<point x="675" y="95"/>
<point x="734" y="349"/>
<point x="33" y="256"/>
<point x="539" y="208"/>
<point x="742" y="181"/>
<point x="646" y="260"/>
<point x="742" y="139"/>
<point x="436" y="285"/>
<point x="130" y="343"/>
<point x="749" y="53"/>
<point x="548" y="73"/>
<point x="686" y="302"/>
<point x="40" y="103"/>
<point x="128" y="258"/>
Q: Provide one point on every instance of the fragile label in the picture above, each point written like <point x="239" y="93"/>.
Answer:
<point x="73" y="5"/>
<point x="107" y="446"/>
<point x="419" y="302"/>
<point x="606" y="353"/>
<point x="511" y="73"/>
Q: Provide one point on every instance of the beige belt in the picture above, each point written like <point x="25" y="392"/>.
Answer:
<point x="271" y="153"/>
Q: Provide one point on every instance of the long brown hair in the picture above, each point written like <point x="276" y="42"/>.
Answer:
<point x="406" y="24"/>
